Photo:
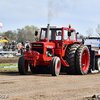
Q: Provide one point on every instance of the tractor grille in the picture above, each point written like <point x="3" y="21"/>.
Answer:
<point x="40" y="50"/>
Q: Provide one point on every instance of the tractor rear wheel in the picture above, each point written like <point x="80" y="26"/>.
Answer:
<point x="55" y="66"/>
<point x="22" y="66"/>
<point x="70" y="58"/>
<point x="82" y="60"/>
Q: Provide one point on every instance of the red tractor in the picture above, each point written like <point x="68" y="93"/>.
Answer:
<point x="57" y="49"/>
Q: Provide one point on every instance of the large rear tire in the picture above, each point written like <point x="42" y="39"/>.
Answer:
<point x="22" y="66"/>
<point x="70" y="58"/>
<point x="82" y="60"/>
<point x="55" y="66"/>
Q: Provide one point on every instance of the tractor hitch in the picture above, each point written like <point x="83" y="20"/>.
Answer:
<point x="31" y="55"/>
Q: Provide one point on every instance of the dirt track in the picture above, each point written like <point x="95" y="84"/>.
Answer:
<point x="9" y="60"/>
<point x="46" y="87"/>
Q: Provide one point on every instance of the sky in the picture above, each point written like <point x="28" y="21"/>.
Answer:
<point x="81" y="14"/>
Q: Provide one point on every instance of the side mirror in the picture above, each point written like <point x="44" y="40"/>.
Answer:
<point x="36" y="33"/>
<point x="77" y="33"/>
<point x="69" y="33"/>
<point x="82" y="41"/>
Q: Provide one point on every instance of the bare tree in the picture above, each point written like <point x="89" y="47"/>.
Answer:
<point x="98" y="29"/>
<point x="90" y="32"/>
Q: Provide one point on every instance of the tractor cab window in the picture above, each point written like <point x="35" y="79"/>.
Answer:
<point x="58" y="35"/>
<point x="54" y="34"/>
<point x="43" y="34"/>
<point x="65" y="34"/>
<point x="73" y="36"/>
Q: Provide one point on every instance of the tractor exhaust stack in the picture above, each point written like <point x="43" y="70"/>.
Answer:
<point x="48" y="28"/>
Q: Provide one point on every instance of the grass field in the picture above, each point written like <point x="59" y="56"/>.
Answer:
<point x="4" y="66"/>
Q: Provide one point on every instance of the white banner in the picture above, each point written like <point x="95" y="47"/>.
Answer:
<point x="92" y="42"/>
<point x="0" y="25"/>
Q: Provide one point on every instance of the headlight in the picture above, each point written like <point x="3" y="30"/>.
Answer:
<point x="46" y="52"/>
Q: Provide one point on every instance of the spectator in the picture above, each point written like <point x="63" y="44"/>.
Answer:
<point x="23" y="44"/>
<point x="27" y="47"/>
<point x="4" y="48"/>
<point x="1" y="48"/>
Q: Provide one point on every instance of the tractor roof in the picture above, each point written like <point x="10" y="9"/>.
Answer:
<point x="52" y="27"/>
<point x="57" y="27"/>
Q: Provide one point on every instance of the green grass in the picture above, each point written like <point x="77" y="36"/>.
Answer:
<point x="2" y="65"/>
<point x="8" y="68"/>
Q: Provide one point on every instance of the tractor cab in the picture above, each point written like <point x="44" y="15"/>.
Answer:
<point x="54" y="34"/>
<point x="58" y="34"/>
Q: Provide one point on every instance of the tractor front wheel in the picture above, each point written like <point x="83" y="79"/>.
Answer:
<point x="82" y="60"/>
<point x="98" y="64"/>
<point x="55" y="66"/>
<point x="22" y="66"/>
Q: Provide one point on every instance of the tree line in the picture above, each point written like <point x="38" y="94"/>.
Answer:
<point x="22" y="35"/>
<point x="28" y="33"/>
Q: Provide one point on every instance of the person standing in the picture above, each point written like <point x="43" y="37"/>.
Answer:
<point x="1" y="48"/>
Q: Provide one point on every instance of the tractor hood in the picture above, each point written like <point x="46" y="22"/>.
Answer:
<point x="44" y="49"/>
